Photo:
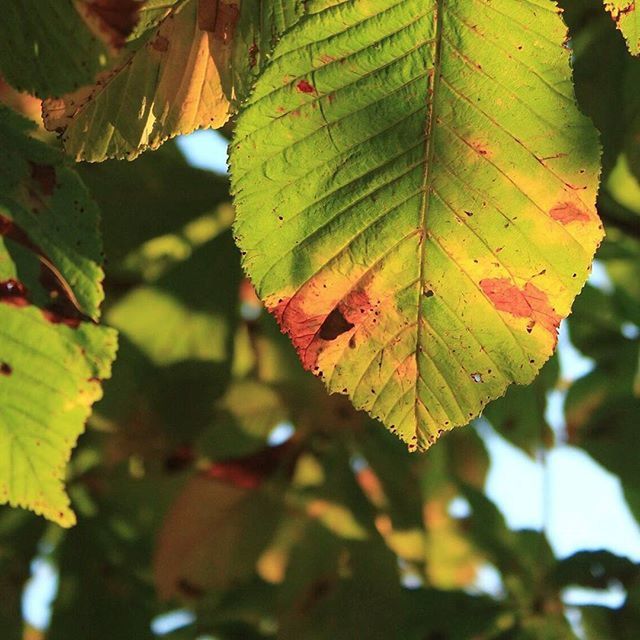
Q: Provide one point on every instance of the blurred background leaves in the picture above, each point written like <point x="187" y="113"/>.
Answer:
<point x="219" y="481"/>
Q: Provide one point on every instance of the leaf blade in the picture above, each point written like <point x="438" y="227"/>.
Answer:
<point x="360" y="150"/>
<point x="52" y="357"/>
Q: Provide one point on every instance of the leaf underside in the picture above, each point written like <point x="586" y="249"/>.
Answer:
<point x="179" y="81"/>
<point x="415" y="191"/>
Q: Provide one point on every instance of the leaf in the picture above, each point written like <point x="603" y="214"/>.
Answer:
<point x="189" y="75"/>
<point x="177" y="82"/>
<point x="46" y="48"/>
<point x="627" y="19"/>
<point x="215" y="530"/>
<point x="51" y="376"/>
<point x="52" y="358"/>
<point x="150" y="14"/>
<point x="601" y="68"/>
<point x="595" y="570"/>
<point x="111" y="20"/>
<point x="259" y="28"/>
<point x="415" y="195"/>
<point x="45" y="207"/>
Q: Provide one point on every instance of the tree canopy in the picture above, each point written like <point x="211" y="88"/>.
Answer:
<point x="417" y="191"/>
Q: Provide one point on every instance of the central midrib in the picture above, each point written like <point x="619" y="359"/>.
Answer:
<point x="433" y="87"/>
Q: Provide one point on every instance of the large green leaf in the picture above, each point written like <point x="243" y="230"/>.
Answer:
<point x="52" y="356"/>
<point x="415" y="193"/>
<point x="627" y="18"/>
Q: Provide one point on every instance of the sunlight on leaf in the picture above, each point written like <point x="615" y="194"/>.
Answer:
<point x="415" y="190"/>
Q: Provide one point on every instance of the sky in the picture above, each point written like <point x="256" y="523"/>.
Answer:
<point x="572" y="498"/>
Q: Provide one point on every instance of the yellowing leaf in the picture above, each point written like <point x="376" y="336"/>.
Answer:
<point x="179" y="81"/>
<point x="415" y="193"/>
<point x="627" y="19"/>
<point x="50" y="377"/>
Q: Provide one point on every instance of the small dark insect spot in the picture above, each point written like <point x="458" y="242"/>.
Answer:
<point x="428" y="293"/>
<point x="469" y="213"/>
<point x="5" y="369"/>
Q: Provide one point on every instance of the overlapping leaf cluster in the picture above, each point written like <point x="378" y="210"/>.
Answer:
<point x="184" y="500"/>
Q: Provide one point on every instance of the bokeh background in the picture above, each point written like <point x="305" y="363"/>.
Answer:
<point x="222" y="494"/>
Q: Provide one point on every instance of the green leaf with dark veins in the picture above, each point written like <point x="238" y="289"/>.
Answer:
<point x="415" y="192"/>
<point x="52" y="354"/>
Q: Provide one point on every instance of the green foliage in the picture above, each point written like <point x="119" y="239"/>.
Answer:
<point x="416" y="201"/>
<point x="53" y="356"/>
<point x="435" y="226"/>
<point x="46" y="48"/>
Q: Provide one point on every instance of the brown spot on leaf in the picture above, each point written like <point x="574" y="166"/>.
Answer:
<point x="253" y="55"/>
<point x="617" y="12"/>
<point x="5" y="369"/>
<point x="58" y="318"/>
<point x="480" y="147"/>
<point x="310" y="333"/>
<point x="44" y="175"/>
<point x="6" y="226"/>
<point x="566" y="212"/>
<point x="529" y="302"/>
<point x="219" y="18"/>
<point x="305" y="87"/>
<point x="160" y="43"/>
<point x="235" y="474"/>
<point x="13" y="292"/>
